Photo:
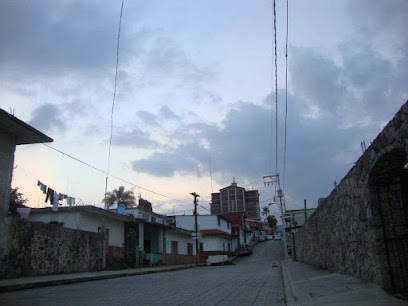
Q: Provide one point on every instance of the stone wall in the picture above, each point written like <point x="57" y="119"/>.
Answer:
<point x="354" y="230"/>
<point x="40" y="248"/>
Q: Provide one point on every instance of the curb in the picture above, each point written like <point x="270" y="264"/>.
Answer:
<point x="287" y="284"/>
<point x="16" y="287"/>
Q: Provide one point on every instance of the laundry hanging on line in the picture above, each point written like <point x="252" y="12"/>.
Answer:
<point x="43" y="187"/>
<point x="55" y="197"/>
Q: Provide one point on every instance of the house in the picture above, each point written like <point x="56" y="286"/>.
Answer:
<point x="13" y="132"/>
<point x="162" y="242"/>
<point x="215" y="237"/>
<point x="257" y="229"/>
<point x="180" y="247"/>
<point x="240" y="230"/>
<point x="233" y="199"/>
<point x="89" y="218"/>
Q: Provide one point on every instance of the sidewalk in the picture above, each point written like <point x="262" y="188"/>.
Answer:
<point x="60" y="279"/>
<point x="309" y="285"/>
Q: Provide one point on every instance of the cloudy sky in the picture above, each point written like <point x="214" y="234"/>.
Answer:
<point x="194" y="93"/>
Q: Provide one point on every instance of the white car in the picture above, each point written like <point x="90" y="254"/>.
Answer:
<point x="269" y="237"/>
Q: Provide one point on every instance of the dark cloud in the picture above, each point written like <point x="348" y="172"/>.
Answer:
<point x="147" y="118"/>
<point x="48" y="117"/>
<point x="167" y="113"/>
<point x="135" y="138"/>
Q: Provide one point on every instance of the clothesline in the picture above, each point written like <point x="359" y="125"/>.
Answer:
<point x="55" y="197"/>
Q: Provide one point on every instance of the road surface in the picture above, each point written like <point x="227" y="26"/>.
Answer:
<point x="251" y="281"/>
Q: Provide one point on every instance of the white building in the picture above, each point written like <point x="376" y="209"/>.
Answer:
<point x="216" y="238"/>
<point x="87" y="218"/>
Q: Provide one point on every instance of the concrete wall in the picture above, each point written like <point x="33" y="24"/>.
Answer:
<point x="182" y="238"/>
<point x="148" y="216"/>
<point x="39" y="249"/>
<point x="216" y="243"/>
<point x="7" y="148"/>
<point x="359" y="229"/>
<point x="85" y="222"/>
<point x="91" y="223"/>
<point x="204" y="223"/>
<point x="69" y="219"/>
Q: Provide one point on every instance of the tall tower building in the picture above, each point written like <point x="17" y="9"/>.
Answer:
<point x="233" y="199"/>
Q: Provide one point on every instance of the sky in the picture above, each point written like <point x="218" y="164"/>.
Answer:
<point x="195" y="95"/>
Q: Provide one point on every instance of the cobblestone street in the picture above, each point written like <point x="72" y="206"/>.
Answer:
<point x="251" y="281"/>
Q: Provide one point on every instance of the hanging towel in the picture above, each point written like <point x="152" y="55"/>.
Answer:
<point x="73" y="201"/>
<point x="69" y="201"/>
<point x="50" y="195"/>
<point x="56" y="197"/>
<point x="61" y="197"/>
<point x="42" y="187"/>
<point x="55" y="205"/>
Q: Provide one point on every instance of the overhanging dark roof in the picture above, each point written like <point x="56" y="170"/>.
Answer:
<point x="24" y="133"/>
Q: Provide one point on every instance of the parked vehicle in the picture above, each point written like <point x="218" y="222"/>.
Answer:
<point x="262" y="239"/>
<point x="269" y="237"/>
<point x="277" y="237"/>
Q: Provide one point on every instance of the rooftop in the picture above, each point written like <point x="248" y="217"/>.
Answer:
<point x="24" y="133"/>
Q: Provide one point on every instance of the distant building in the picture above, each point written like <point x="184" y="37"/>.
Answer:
<point x="215" y="236"/>
<point x="234" y="199"/>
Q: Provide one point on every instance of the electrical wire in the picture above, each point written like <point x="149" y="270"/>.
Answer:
<point x="110" y="175"/>
<point x="114" y="98"/>
<point x="286" y="98"/>
<point x="276" y="88"/>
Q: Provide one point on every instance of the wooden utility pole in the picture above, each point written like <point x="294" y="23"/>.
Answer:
<point x="195" y="195"/>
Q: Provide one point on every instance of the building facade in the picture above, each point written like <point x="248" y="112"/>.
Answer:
<point x="232" y="199"/>
<point x="215" y="236"/>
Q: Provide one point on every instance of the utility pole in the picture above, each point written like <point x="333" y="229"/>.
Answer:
<point x="195" y="195"/>
<point x="270" y="180"/>
<point x="305" y="213"/>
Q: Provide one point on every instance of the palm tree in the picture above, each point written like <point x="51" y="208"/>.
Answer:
<point x="265" y="211"/>
<point x="119" y="196"/>
<point x="272" y="221"/>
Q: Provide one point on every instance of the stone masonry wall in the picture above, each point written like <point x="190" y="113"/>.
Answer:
<point x="40" y="248"/>
<point x="346" y="232"/>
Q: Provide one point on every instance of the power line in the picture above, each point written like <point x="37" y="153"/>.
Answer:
<point x="114" y="97"/>
<point x="110" y="175"/>
<point x="276" y="88"/>
<point x="286" y="92"/>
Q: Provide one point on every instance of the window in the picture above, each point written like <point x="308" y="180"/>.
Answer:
<point x="228" y="225"/>
<point x="232" y="205"/>
<point x="201" y="248"/>
<point x="153" y="219"/>
<point x="219" y="221"/>
<point x="229" y="247"/>
<point x="189" y="249"/>
<point x="174" y="247"/>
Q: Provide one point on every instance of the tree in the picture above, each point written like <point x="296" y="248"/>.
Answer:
<point x="265" y="211"/>
<point x="119" y="196"/>
<point x="16" y="200"/>
<point x="272" y="221"/>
